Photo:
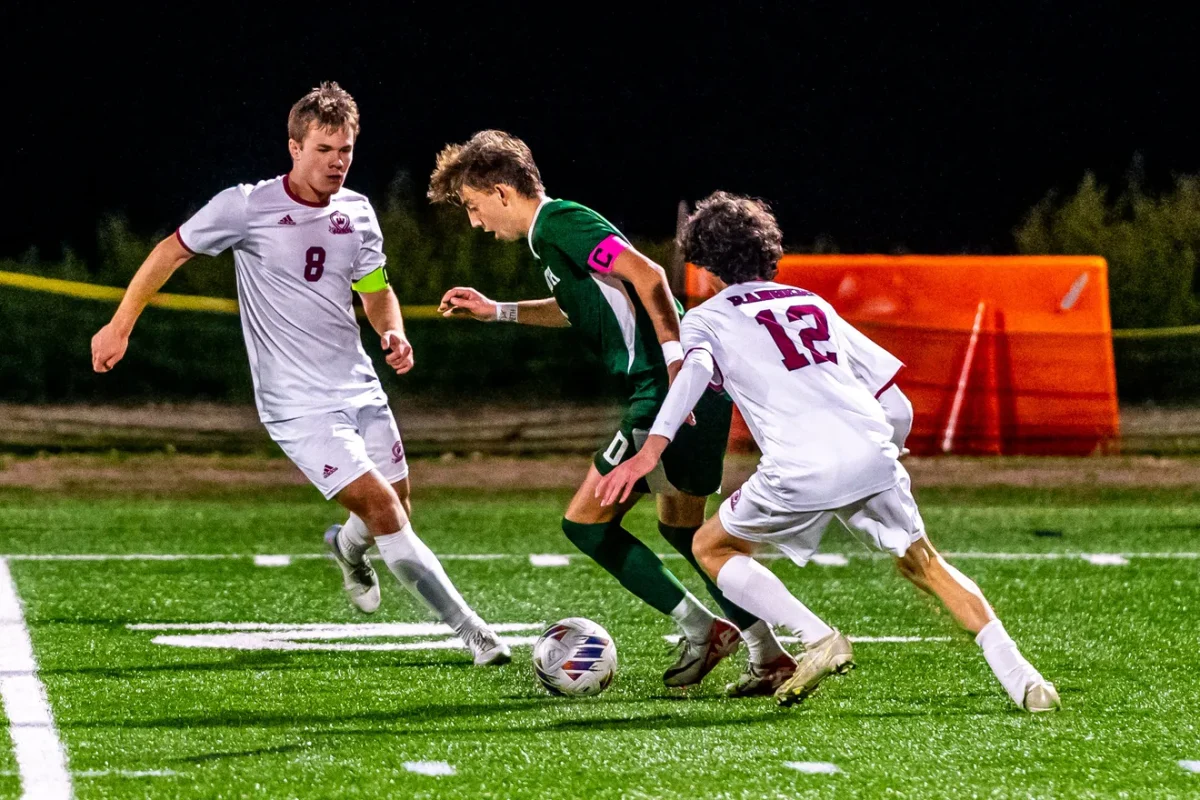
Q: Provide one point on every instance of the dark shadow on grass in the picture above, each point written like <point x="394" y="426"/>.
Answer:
<point x="657" y="722"/>
<point x="251" y="719"/>
<point x="262" y="751"/>
<point x="434" y="713"/>
<point x="271" y="663"/>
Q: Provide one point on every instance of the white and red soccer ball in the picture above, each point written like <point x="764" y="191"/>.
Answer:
<point x="575" y="657"/>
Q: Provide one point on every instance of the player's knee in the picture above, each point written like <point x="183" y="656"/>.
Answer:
<point x="384" y="514"/>
<point x="710" y="548"/>
<point x="588" y="538"/>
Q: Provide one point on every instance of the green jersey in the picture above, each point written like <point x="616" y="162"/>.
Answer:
<point x="576" y="248"/>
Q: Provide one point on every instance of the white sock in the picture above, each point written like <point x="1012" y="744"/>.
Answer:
<point x="354" y="539"/>
<point x="755" y="588"/>
<point x="761" y="642"/>
<point x="419" y="571"/>
<point x="693" y="618"/>
<point x="1006" y="661"/>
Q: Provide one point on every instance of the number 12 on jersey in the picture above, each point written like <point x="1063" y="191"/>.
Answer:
<point x="793" y="359"/>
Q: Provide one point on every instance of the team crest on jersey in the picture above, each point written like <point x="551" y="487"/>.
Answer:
<point x="552" y="280"/>
<point x="340" y="223"/>
<point x="397" y="453"/>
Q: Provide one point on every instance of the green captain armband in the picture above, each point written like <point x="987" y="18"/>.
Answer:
<point x="375" y="281"/>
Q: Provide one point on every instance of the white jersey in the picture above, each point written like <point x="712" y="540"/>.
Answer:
<point x="295" y="265"/>
<point x="803" y="379"/>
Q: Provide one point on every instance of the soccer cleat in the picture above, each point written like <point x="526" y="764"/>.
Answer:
<point x="359" y="580"/>
<point x="486" y="647"/>
<point x="762" y="679"/>
<point x="1041" y="696"/>
<point x="697" y="659"/>
<point x="831" y="655"/>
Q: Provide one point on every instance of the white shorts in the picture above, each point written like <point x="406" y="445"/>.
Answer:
<point x="888" y="521"/>
<point x="334" y="448"/>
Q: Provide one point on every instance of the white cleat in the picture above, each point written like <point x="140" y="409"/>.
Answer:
<point x="832" y="655"/>
<point x="486" y="647"/>
<point x="1041" y="696"/>
<point x="359" y="580"/>
<point x="697" y="659"/>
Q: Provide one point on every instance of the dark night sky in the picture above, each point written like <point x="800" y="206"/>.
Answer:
<point x="881" y="129"/>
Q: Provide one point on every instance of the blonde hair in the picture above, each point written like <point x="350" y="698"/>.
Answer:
<point x="328" y="105"/>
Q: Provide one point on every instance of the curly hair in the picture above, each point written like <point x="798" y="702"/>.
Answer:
<point x="734" y="237"/>
<point x="328" y="105"/>
<point x="486" y="159"/>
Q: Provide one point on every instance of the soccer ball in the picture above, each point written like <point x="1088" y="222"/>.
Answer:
<point x="575" y="657"/>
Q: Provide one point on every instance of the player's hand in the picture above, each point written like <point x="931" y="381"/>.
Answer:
<point x="616" y="486"/>
<point x="463" y="301"/>
<point x="108" y="347"/>
<point x="672" y="372"/>
<point x="400" y="357"/>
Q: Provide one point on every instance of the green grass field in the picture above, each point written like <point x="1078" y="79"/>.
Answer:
<point x="922" y="718"/>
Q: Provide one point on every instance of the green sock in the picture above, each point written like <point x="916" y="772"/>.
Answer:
<point x="629" y="561"/>
<point x="681" y="540"/>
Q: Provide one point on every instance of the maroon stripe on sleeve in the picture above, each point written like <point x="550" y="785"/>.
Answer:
<point x="888" y="385"/>
<point x="179" y="236"/>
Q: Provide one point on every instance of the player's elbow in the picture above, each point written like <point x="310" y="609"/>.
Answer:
<point x="899" y="413"/>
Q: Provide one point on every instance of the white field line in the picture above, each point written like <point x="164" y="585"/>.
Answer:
<point x="549" y="560"/>
<point x="272" y="561"/>
<point x="1190" y="766"/>
<point x="555" y="559"/>
<point x="1106" y="559"/>
<point x="322" y="629"/>
<point x="41" y="761"/>
<point x="266" y="641"/>
<point x="126" y="773"/>
<point x="324" y="636"/>
<point x="431" y="768"/>
<point x="813" y="767"/>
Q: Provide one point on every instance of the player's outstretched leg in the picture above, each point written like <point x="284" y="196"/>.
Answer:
<point x="416" y="567"/>
<point x="758" y="590"/>
<point x="769" y="665"/>
<point x="348" y="543"/>
<point x="925" y="567"/>
<point x="596" y="530"/>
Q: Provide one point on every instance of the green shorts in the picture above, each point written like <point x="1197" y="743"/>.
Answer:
<point x="693" y="462"/>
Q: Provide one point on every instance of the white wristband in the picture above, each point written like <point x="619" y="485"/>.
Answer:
<point x="672" y="352"/>
<point x="506" y="312"/>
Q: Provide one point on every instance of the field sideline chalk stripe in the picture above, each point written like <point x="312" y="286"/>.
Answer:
<point x="175" y="302"/>
<point x="41" y="760"/>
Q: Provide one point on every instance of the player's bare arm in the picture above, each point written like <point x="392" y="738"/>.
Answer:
<point x="463" y="301"/>
<point x="650" y="282"/>
<point x="110" y="342"/>
<point x="383" y="312"/>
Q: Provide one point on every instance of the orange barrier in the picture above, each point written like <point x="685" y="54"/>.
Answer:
<point x="1003" y="354"/>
